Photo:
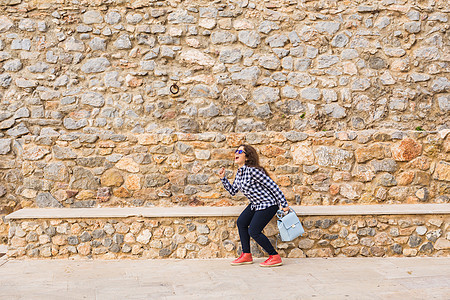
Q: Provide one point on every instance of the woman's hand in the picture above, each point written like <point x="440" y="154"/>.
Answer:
<point x="285" y="209"/>
<point x="221" y="173"/>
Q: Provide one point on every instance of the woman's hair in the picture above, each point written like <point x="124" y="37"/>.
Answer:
<point x="252" y="158"/>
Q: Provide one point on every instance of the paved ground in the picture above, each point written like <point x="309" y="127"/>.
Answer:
<point x="336" y="278"/>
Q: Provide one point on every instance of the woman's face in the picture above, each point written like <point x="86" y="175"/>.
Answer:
<point x="239" y="158"/>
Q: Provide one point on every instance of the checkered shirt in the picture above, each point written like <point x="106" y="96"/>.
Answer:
<point x="259" y="188"/>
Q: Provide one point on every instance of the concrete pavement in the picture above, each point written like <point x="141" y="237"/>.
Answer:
<point x="304" y="278"/>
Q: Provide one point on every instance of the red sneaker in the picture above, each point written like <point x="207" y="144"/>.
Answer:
<point x="272" y="261"/>
<point x="245" y="258"/>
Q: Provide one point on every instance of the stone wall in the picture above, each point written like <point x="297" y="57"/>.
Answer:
<point x="87" y="117"/>
<point x="325" y="168"/>
<point x="426" y="235"/>
<point x="240" y="65"/>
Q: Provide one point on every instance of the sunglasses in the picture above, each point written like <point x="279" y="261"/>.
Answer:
<point x="240" y="152"/>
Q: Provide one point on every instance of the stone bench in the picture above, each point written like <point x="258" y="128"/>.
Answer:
<point x="208" y="232"/>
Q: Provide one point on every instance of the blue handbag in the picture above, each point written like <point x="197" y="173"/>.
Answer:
<point x="289" y="225"/>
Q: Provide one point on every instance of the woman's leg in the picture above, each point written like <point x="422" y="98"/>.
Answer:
<point x="242" y="224"/>
<point x="260" y="219"/>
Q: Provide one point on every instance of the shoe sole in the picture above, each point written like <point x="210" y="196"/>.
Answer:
<point x="242" y="263"/>
<point x="268" y="266"/>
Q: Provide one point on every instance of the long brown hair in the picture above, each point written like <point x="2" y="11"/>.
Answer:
<point x="252" y="158"/>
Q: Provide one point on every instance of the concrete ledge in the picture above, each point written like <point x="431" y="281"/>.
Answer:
<point x="161" y="212"/>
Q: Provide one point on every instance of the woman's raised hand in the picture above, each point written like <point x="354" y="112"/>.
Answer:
<point x="221" y="173"/>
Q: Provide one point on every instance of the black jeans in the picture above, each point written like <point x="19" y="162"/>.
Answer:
<point x="251" y="223"/>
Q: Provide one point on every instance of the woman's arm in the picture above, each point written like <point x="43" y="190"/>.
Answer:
<point x="232" y="189"/>
<point x="268" y="183"/>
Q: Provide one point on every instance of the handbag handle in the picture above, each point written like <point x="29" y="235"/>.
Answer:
<point x="282" y="213"/>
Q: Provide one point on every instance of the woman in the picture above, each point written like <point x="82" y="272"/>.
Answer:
<point x="265" y="198"/>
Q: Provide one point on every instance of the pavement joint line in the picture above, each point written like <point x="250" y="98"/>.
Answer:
<point x="3" y="261"/>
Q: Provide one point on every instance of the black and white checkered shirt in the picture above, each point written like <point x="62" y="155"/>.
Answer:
<point x="259" y="188"/>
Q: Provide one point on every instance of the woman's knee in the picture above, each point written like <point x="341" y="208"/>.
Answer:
<point x="241" y="223"/>
<point x="253" y="232"/>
